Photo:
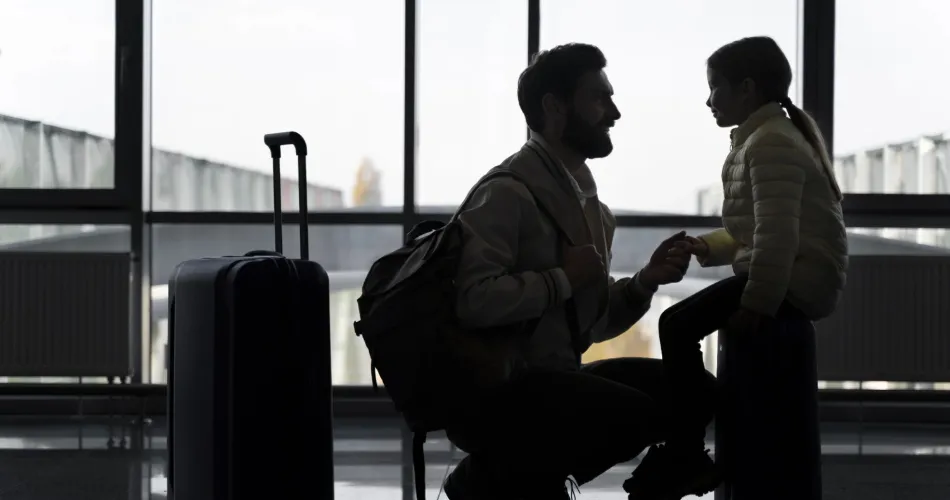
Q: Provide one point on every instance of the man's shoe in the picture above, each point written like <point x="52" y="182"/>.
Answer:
<point x="668" y="474"/>
<point x="473" y="482"/>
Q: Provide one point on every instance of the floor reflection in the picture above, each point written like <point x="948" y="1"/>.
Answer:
<point x="113" y="459"/>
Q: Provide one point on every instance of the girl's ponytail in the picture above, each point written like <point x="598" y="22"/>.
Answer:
<point x="806" y="124"/>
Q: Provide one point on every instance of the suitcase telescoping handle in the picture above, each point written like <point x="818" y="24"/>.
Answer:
<point x="274" y="142"/>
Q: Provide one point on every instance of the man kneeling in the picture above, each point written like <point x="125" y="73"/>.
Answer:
<point x="537" y="247"/>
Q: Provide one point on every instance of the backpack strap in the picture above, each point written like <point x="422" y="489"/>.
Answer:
<point x="495" y="172"/>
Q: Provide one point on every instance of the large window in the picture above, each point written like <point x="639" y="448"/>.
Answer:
<point x="219" y="74"/>
<point x="469" y="57"/>
<point x="57" y="94"/>
<point x="225" y="73"/>
<point x="668" y="152"/>
<point x="892" y="110"/>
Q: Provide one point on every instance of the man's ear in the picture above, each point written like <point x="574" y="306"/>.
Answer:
<point x="551" y="105"/>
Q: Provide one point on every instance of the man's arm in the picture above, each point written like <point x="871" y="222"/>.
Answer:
<point x="777" y="172"/>
<point x="489" y="293"/>
<point x="628" y="300"/>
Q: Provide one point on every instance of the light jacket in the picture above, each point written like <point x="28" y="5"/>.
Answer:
<point x="510" y="270"/>
<point x="782" y="220"/>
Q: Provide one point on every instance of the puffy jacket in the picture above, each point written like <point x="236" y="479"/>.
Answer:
<point x="782" y="221"/>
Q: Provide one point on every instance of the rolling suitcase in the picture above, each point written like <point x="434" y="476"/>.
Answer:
<point x="249" y="387"/>
<point x="768" y="438"/>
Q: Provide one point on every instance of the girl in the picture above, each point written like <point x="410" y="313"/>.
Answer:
<point x="783" y="234"/>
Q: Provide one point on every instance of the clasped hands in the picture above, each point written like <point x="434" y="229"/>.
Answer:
<point x="584" y="266"/>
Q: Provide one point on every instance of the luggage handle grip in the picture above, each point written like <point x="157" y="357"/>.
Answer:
<point x="274" y="142"/>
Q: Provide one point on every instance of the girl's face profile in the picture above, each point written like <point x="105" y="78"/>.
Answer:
<point x="724" y="101"/>
<point x="731" y="104"/>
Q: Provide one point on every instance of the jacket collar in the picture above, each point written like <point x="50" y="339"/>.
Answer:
<point x="754" y="121"/>
<point x="582" y="180"/>
<point x="553" y="188"/>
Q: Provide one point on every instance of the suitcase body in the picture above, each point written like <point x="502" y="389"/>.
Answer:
<point x="768" y="439"/>
<point x="250" y="412"/>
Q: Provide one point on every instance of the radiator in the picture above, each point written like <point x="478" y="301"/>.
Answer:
<point x="893" y="322"/>
<point x="65" y="314"/>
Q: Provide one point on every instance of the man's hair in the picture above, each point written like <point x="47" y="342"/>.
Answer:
<point x="556" y="71"/>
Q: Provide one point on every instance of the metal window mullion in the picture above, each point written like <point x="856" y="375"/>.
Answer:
<point x="128" y="154"/>
<point x="410" y="128"/>
<point x="818" y="64"/>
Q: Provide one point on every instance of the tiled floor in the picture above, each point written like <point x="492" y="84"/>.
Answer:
<point x="103" y="460"/>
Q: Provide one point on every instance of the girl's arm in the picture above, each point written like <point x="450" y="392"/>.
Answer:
<point x="777" y="169"/>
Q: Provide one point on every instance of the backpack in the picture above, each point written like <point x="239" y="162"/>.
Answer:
<point x="408" y="323"/>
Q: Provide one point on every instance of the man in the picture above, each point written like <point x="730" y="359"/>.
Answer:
<point x="539" y="247"/>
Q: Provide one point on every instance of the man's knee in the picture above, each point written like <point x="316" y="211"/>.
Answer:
<point x="666" y="315"/>
<point x="670" y="326"/>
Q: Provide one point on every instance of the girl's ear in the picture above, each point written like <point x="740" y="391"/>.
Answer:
<point x="747" y="87"/>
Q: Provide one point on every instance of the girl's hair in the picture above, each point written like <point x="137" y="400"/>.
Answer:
<point x="760" y="59"/>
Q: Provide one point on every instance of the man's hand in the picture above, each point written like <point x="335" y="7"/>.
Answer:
<point x="745" y="321"/>
<point x="668" y="263"/>
<point x="694" y="246"/>
<point x="583" y="266"/>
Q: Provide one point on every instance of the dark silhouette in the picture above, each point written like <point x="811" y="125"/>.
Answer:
<point x="537" y="247"/>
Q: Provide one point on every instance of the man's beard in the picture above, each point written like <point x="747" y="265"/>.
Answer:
<point x="591" y="141"/>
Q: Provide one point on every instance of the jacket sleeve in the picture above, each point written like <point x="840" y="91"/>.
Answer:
<point x="628" y="301"/>
<point x="490" y="293"/>
<point x="722" y="248"/>
<point x="777" y="171"/>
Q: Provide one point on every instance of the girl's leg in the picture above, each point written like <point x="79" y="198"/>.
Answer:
<point x="682" y="328"/>
<point x="682" y="467"/>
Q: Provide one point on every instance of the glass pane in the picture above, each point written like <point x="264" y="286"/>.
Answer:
<point x="469" y="57"/>
<point x="57" y="239"/>
<point x="346" y="252"/>
<point x="57" y="94"/>
<point x="332" y="71"/>
<point x="891" y="123"/>
<point x="63" y="238"/>
<point x="668" y="152"/>
<point x="633" y="246"/>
